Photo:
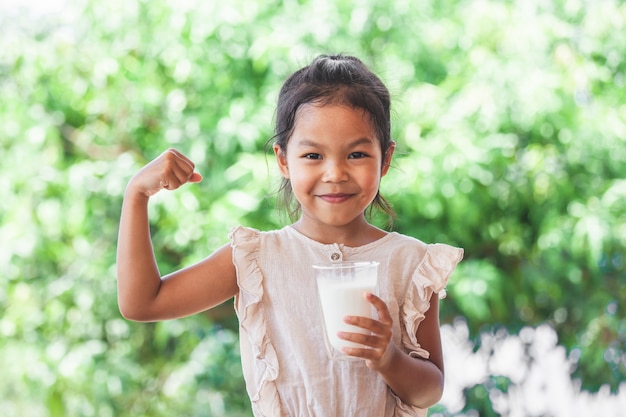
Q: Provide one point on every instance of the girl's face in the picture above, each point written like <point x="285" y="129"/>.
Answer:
<point x="334" y="163"/>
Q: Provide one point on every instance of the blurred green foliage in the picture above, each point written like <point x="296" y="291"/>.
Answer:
<point x="511" y="124"/>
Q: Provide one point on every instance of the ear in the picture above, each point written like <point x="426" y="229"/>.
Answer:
<point x="387" y="158"/>
<point x="281" y="159"/>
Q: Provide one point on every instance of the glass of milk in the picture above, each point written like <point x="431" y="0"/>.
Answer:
<point x="341" y="289"/>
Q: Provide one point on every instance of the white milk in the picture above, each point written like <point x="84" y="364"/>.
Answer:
<point x="342" y="289"/>
<point x="340" y="299"/>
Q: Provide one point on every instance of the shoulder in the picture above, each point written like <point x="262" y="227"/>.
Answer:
<point x="240" y="232"/>
<point x="422" y="263"/>
<point x="410" y="243"/>
<point x="253" y="239"/>
<point x="402" y="245"/>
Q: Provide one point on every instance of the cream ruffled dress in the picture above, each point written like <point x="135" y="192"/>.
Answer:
<point x="287" y="369"/>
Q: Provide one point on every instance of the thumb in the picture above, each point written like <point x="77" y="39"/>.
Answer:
<point x="195" y="177"/>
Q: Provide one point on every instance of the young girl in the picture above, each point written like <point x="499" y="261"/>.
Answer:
<point x="332" y="147"/>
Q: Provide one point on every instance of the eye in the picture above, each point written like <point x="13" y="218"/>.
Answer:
<point x="357" y="155"/>
<point x="312" y="156"/>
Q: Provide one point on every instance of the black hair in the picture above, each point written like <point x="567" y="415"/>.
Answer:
<point x="333" y="79"/>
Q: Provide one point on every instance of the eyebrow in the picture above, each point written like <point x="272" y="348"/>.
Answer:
<point x="353" y="144"/>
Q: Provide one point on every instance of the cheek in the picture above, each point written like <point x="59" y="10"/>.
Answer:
<point x="299" y="181"/>
<point x="371" y="179"/>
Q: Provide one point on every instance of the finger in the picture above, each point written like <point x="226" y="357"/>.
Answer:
<point x="180" y="164"/>
<point x="180" y="176"/>
<point x="363" y="353"/>
<point x="373" y="355"/>
<point x="188" y="169"/>
<point x="377" y="335"/>
<point x="375" y="350"/>
<point x="369" y="324"/>
<point x="185" y="163"/>
<point x="369" y="340"/>
<point x="176" y="180"/>
<point x="380" y="306"/>
<point x="177" y="170"/>
<point x="171" y="179"/>
<point x="195" y="177"/>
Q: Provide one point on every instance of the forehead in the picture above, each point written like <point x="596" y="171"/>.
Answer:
<point x="333" y="121"/>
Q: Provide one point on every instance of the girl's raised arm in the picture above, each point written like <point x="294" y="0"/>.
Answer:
<point x="142" y="294"/>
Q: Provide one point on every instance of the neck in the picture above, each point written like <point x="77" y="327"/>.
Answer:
<point x="355" y="234"/>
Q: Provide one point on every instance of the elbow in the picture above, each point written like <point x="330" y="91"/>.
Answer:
<point x="133" y="315"/>
<point x="427" y="400"/>
<point x="132" y="312"/>
<point x="437" y="392"/>
<point x="432" y="396"/>
<point x="436" y="396"/>
<point x="129" y="313"/>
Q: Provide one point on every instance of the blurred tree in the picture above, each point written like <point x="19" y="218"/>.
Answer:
<point x="510" y="121"/>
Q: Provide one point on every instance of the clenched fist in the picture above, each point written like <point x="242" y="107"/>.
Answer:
<point x="168" y="171"/>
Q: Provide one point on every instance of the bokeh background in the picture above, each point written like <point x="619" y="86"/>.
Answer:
<point x="510" y="118"/>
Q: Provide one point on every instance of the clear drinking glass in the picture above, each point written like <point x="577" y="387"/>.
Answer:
<point x="341" y="288"/>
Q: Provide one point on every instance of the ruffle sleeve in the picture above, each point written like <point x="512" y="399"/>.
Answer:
<point x="259" y="360"/>
<point x="431" y="276"/>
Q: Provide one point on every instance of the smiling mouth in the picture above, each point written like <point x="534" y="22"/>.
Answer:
<point x="335" y="198"/>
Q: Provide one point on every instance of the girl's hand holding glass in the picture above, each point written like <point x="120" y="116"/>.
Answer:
<point x="379" y="348"/>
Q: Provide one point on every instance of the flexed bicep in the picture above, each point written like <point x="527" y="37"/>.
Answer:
<point x="198" y="287"/>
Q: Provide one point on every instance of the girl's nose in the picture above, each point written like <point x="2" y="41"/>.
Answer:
<point x="335" y="172"/>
